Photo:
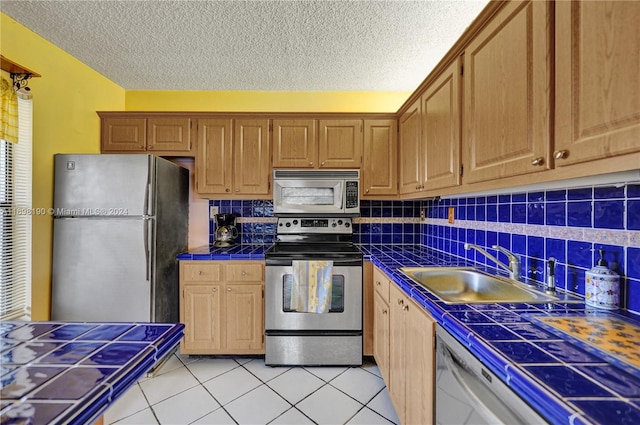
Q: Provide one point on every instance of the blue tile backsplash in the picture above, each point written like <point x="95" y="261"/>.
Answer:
<point x="568" y="224"/>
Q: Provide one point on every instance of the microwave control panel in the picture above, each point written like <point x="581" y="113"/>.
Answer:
<point x="351" y="194"/>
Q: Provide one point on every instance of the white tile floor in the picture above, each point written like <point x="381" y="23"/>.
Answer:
<point x="211" y="390"/>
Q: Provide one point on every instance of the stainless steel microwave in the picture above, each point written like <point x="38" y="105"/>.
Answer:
<point x="316" y="192"/>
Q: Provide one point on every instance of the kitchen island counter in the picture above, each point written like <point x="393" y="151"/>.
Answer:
<point x="69" y="373"/>
<point x="567" y="380"/>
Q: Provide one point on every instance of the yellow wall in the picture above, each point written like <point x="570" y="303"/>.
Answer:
<point x="264" y="101"/>
<point x="65" y="101"/>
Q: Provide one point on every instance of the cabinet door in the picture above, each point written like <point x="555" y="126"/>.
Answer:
<point x="441" y="130"/>
<point x="340" y="143"/>
<point x="381" y="335"/>
<point x="420" y="366"/>
<point x="244" y="316"/>
<point x="214" y="157"/>
<point x="380" y="174"/>
<point x="124" y="134"/>
<point x="295" y="143"/>
<point x="252" y="157"/>
<point x="397" y="350"/>
<point x="169" y="134"/>
<point x="507" y="94"/>
<point x="200" y="313"/>
<point x="410" y="141"/>
<point x="597" y="80"/>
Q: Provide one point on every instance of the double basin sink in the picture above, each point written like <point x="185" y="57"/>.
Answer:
<point x="463" y="285"/>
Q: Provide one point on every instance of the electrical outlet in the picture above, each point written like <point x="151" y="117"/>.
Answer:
<point x="212" y="212"/>
<point x="421" y="214"/>
<point x="451" y="215"/>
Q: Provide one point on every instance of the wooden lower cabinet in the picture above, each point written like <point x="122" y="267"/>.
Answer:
<point x="408" y="364"/>
<point x="222" y="307"/>
<point x="381" y="322"/>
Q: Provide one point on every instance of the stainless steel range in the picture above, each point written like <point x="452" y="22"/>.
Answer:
<point x="294" y="335"/>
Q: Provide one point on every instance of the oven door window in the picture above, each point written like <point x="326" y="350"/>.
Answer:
<point x="337" y="294"/>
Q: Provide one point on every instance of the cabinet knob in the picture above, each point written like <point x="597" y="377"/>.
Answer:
<point x="366" y="191"/>
<point x="538" y="161"/>
<point x="150" y="147"/>
<point x="141" y="147"/>
<point x="563" y="154"/>
<point x="322" y="163"/>
<point x="200" y="272"/>
<point x="400" y="301"/>
<point x="311" y="164"/>
<point x="377" y="283"/>
<point x="243" y="273"/>
<point x="228" y="289"/>
<point x="384" y="311"/>
<point x="405" y="308"/>
<point x="214" y="290"/>
<point x="237" y="190"/>
<point x="227" y="190"/>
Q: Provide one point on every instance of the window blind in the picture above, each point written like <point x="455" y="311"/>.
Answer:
<point x="15" y="219"/>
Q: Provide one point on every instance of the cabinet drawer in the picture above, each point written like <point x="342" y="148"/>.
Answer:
<point x="381" y="284"/>
<point x="243" y="272"/>
<point x="202" y="272"/>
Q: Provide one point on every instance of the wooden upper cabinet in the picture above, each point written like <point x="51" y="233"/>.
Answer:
<point x="597" y="80"/>
<point x="340" y="143"/>
<point x="295" y="143"/>
<point x="214" y="160"/>
<point x="251" y="157"/>
<point x="169" y="134"/>
<point x="161" y="136"/>
<point x="380" y="175"/>
<point x="410" y="149"/>
<point x="441" y="130"/>
<point x="123" y="135"/>
<point x="233" y="158"/>
<point x="508" y="94"/>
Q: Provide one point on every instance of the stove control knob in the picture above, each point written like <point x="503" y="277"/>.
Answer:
<point x="340" y="222"/>
<point x="288" y="224"/>
<point x="333" y="224"/>
<point x="347" y="224"/>
<point x="295" y="222"/>
<point x="280" y="224"/>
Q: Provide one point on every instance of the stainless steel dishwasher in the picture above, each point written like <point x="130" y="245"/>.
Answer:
<point x="468" y="393"/>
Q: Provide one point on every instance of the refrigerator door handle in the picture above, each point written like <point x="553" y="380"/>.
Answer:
<point x="146" y="206"/>
<point x="147" y="253"/>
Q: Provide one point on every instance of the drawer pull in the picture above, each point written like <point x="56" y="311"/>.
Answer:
<point x="243" y="273"/>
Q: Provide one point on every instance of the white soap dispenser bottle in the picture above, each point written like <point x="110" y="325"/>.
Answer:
<point x="602" y="288"/>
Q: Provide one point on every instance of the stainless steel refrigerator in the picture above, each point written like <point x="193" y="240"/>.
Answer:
<point x="119" y="222"/>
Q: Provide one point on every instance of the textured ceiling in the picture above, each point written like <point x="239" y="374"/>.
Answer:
<point x="253" y="45"/>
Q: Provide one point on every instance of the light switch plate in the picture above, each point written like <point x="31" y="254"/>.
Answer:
<point x="212" y="212"/>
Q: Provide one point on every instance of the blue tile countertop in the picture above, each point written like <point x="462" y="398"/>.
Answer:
<point x="567" y="381"/>
<point x="69" y="373"/>
<point x="235" y="252"/>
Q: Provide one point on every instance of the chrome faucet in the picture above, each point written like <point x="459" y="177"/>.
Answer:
<point x="514" y="262"/>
